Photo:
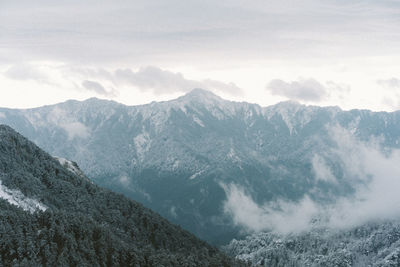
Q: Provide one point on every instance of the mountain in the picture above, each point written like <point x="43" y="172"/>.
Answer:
<point x="52" y="215"/>
<point x="182" y="157"/>
<point x="371" y="244"/>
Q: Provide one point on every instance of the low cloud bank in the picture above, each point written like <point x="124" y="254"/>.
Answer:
<point x="373" y="173"/>
<point x="24" y="72"/>
<point x="161" y="81"/>
<point x="98" y="88"/>
<point x="301" y="90"/>
<point x="308" y="90"/>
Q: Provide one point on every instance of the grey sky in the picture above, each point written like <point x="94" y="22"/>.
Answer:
<point x="115" y="31"/>
<point x="234" y="47"/>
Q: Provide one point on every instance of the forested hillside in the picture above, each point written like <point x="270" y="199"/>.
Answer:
<point x="51" y="216"/>
<point x="373" y="244"/>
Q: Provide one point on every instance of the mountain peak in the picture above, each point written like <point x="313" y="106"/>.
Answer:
<point x="199" y="94"/>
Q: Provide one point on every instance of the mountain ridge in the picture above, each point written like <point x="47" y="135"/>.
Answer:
<point x="197" y="94"/>
<point x="173" y="156"/>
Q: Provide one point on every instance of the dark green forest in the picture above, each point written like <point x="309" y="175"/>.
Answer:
<point x="84" y="225"/>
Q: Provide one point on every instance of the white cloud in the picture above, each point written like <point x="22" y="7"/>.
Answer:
<point x="392" y="96"/>
<point x="75" y="129"/>
<point x="124" y="180"/>
<point x="172" y="212"/>
<point x="375" y="176"/>
<point x="24" y="72"/>
<point x="322" y="170"/>
<point x="308" y="90"/>
<point x="391" y="83"/>
<point x="161" y="81"/>
<point x="98" y="88"/>
<point x="280" y="216"/>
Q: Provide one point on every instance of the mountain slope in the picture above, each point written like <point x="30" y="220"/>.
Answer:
<point x="178" y="157"/>
<point x="51" y="216"/>
<point x="373" y="244"/>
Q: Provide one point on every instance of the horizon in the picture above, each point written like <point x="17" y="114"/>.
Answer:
<point x="185" y="94"/>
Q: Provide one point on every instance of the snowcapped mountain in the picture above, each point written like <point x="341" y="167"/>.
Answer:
<point x="184" y="157"/>
<point x="51" y="215"/>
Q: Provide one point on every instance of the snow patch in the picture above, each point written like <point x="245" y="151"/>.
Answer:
<point x="232" y="154"/>
<point x="15" y="197"/>
<point x="176" y="164"/>
<point x="353" y="126"/>
<point x="2" y="115"/>
<point x="196" y="174"/>
<point x="198" y="121"/>
<point x="142" y="143"/>
<point x="71" y="166"/>
<point x="292" y="113"/>
<point x="286" y="110"/>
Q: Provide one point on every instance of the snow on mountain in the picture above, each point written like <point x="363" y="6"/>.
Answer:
<point x="373" y="244"/>
<point x="178" y="153"/>
<point x="15" y="197"/>
<point x="77" y="223"/>
<point x="71" y="166"/>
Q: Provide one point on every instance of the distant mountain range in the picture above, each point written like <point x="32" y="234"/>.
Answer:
<point x="181" y="157"/>
<point x="52" y="215"/>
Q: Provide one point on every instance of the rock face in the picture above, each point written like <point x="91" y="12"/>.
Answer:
<point x="178" y="157"/>
<point x="52" y="215"/>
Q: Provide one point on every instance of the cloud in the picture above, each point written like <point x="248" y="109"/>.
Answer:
<point x="279" y="216"/>
<point x="73" y="128"/>
<point x="308" y="90"/>
<point x="124" y="180"/>
<point x="24" y="72"/>
<point x="391" y="83"/>
<point x="374" y="175"/>
<point x="98" y="88"/>
<point x="161" y="81"/>
<point x="228" y="28"/>
<point x="322" y="170"/>
<point x="172" y="212"/>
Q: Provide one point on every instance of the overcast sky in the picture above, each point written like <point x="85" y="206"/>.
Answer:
<point x="331" y="52"/>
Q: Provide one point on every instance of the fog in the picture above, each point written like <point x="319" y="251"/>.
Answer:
<point x="372" y="170"/>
